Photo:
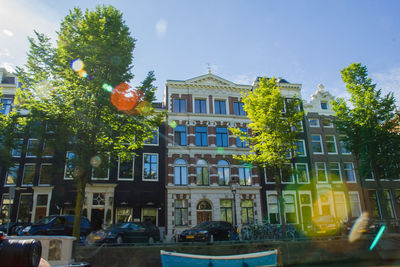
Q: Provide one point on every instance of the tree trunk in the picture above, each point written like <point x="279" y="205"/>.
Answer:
<point x="78" y="208"/>
<point x="281" y="201"/>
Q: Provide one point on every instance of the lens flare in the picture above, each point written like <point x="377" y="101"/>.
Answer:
<point x="172" y="124"/>
<point x="377" y="237"/>
<point x="359" y="227"/>
<point x="77" y="65"/>
<point x="82" y="73"/>
<point x="124" y="97"/>
<point x="107" y="87"/>
<point x="95" y="161"/>
<point x="220" y="150"/>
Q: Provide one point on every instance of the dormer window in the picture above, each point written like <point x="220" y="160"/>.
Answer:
<point x="324" y="105"/>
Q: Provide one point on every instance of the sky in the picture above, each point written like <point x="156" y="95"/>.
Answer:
<point x="303" y="41"/>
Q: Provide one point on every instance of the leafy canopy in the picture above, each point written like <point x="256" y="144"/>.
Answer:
<point x="274" y="123"/>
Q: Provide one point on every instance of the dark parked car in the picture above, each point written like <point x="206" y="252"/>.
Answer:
<point x="216" y="230"/>
<point x="128" y="232"/>
<point x="56" y="225"/>
<point x="13" y="227"/>
<point x="324" y="225"/>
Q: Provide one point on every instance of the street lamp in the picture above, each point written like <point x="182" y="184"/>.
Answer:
<point x="234" y="188"/>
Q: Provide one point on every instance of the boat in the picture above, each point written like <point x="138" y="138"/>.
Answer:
<point x="259" y="259"/>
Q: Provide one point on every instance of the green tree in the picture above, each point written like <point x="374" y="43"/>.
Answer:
<point x="272" y="131"/>
<point x="368" y="120"/>
<point x="66" y="85"/>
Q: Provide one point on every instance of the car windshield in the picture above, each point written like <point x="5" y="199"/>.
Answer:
<point x="44" y="220"/>
<point x="202" y="225"/>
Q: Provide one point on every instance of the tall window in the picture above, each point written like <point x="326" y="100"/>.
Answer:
<point x="69" y="165"/>
<point x="200" y="106"/>
<point x="24" y="208"/>
<point x="320" y="170"/>
<point x="239" y="142"/>
<point x="150" y="215"/>
<point x="302" y="173"/>
<point x="286" y="173"/>
<point x="290" y="208"/>
<point x="344" y="146"/>
<point x="238" y="109"/>
<point x="222" y="136"/>
<point x="388" y="205"/>
<point x="202" y="177"/>
<point x="48" y="148"/>
<point x="101" y="171"/>
<point x="17" y="148"/>
<point x="273" y="208"/>
<point x="123" y="215"/>
<point x="324" y="105"/>
<point x="125" y="168"/>
<point x="247" y="211"/>
<point x="150" y="167"/>
<point x="12" y="175"/>
<point x="374" y="202"/>
<point x="244" y="175"/>
<point x="33" y="145"/>
<point x="180" y="135"/>
<point x="219" y="107"/>
<point x="180" y="170"/>
<point x="340" y="205"/>
<point x="355" y="204"/>
<point x="29" y="174"/>
<point x="223" y="172"/>
<point x="331" y="144"/>
<point x="226" y="210"/>
<point x="349" y="173"/>
<point x="327" y="123"/>
<point x="179" y="105"/>
<point x="5" y="208"/>
<point x="334" y="172"/>
<point x="300" y="150"/>
<point x="313" y="122"/>
<point x="181" y="212"/>
<point x="152" y="140"/>
<point x="316" y="144"/>
<point x="6" y="108"/>
<point x="201" y="136"/>
<point x="45" y="174"/>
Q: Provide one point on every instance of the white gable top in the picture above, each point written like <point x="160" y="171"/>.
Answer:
<point x="208" y="79"/>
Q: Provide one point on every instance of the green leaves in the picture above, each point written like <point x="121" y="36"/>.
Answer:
<point x="273" y="124"/>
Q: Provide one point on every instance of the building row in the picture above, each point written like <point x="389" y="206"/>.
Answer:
<point x="187" y="173"/>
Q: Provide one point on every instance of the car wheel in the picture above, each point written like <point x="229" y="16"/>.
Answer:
<point x="151" y="240"/>
<point x="120" y="239"/>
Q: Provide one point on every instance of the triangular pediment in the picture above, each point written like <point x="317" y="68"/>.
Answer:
<point x="210" y="79"/>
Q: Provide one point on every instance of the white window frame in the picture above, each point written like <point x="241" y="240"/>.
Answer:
<point x="271" y="192"/>
<point x="340" y="173"/>
<point x="305" y="204"/>
<point x="359" y="202"/>
<point x="308" y="175"/>
<point x="158" y="140"/>
<point x="29" y="155"/>
<point x="141" y="214"/>
<point x="20" y="149"/>
<point x="325" y="102"/>
<point x="316" y="172"/>
<point x="292" y="179"/>
<point x="40" y="174"/>
<point x="320" y="142"/>
<point x="265" y="177"/>
<point x="122" y="207"/>
<point x="23" y="175"/>
<point x="352" y="169"/>
<point x="158" y="167"/>
<point x="44" y="146"/>
<point x="19" y="203"/>
<point x="108" y="171"/>
<point x="5" y="179"/>
<point x="334" y="141"/>
<point x="343" y="153"/>
<point x="133" y="170"/>
<point x="304" y="148"/>
<point x="313" y="126"/>
<point x="330" y="125"/>
<point x="346" y="218"/>
<point x="293" y="193"/>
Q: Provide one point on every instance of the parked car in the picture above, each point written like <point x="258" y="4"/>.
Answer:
<point x="324" y="225"/>
<point x="127" y="232"/>
<point x="56" y="225"/>
<point x="216" y="230"/>
<point x="13" y="227"/>
<point x="362" y="225"/>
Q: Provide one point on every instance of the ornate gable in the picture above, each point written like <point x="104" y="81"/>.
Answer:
<point x="210" y="79"/>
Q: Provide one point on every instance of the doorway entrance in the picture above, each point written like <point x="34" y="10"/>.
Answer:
<point x="204" y="212"/>
<point x="97" y="218"/>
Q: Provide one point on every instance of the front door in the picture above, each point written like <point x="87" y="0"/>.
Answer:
<point x="203" y="216"/>
<point x="97" y="218"/>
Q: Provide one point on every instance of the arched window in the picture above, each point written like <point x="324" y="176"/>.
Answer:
<point x="223" y="172"/>
<point x="204" y="205"/>
<point x="202" y="177"/>
<point x="204" y="211"/>
<point x="180" y="177"/>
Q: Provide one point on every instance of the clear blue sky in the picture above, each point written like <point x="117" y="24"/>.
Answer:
<point x="305" y="42"/>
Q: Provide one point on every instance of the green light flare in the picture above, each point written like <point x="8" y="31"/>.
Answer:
<point x="377" y="237"/>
